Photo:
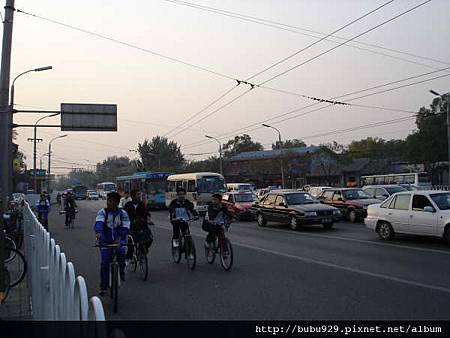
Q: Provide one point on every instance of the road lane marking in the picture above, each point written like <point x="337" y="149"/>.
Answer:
<point x="332" y="265"/>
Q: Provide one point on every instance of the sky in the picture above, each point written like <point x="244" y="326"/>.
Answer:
<point x="154" y="94"/>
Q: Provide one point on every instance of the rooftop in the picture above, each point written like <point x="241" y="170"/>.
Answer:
<point x="275" y="153"/>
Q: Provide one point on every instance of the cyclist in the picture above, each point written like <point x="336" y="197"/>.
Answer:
<point x="43" y="209"/>
<point x="217" y="213"/>
<point x="138" y="214"/>
<point x="111" y="226"/>
<point x="180" y="211"/>
<point x="125" y="199"/>
<point x="69" y="206"/>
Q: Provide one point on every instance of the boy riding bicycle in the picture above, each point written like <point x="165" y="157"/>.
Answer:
<point x="112" y="226"/>
<point x="216" y="216"/>
<point x="181" y="210"/>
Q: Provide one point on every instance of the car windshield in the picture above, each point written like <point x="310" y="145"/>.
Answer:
<point x="442" y="200"/>
<point x="393" y="190"/>
<point x="299" y="198"/>
<point x="211" y="184"/>
<point x="355" y="194"/>
<point x="243" y="197"/>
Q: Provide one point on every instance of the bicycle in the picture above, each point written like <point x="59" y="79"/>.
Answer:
<point x="185" y="245"/>
<point x="16" y="265"/>
<point x="140" y="258"/>
<point x="221" y="246"/>
<point x="114" y="275"/>
<point x="5" y="291"/>
<point x="70" y="217"/>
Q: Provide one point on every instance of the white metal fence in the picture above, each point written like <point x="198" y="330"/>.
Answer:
<point x="56" y="294"/>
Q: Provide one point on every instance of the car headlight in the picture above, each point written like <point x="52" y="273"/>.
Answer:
<point x="310" y="213"/>
<point x="336" y="212"/>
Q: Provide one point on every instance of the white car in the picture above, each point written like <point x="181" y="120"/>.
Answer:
<point x="412" y="212"/>
<point x="92" y="195"/>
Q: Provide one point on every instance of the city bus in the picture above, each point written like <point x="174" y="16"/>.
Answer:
<point x="151" y="184"/>
<point x="199" y="188"/>
<point x="104" y="188"/>
<point x="79" y="192"/>
<point x="419" y="180"/>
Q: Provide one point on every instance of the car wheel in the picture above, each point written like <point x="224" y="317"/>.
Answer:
<point x="261" y="220"/>
<point x="327" y="225"/>
<point x="293" y="223"/>
<point x="352" y="216"/>
<point x="447" y="235"/>
<point x="385" y="231"/>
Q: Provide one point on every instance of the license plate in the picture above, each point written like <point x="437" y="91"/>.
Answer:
<point x="327" y="220"/>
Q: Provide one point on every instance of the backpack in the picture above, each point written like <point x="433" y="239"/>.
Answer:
<point x="105" y="224"/>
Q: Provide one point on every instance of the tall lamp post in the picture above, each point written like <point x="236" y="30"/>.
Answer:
<point x="10" y="157"/>
<point x="220" y="151"/>
<point x="34" y="146"/>
<point x="281" y="153"/>
<point x="49" y="160"/>
<point x="447" y="101"/>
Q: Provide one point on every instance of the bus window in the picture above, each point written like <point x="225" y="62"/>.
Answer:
<point x="379" y="180"/>
<point x="178" y="184"/>
<point x="424" y="178"/>
<point x="389" y="180"/>
<point x="399" y="179"/>
<point x="191" y="186"/>
<point x="170" y="186"/>
<point x="409" y="179"/>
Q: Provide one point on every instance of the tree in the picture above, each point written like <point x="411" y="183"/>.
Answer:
<point x="211" y="164"/>
<point x="240" y="144"/>
<point x="294" y="143"/>
<point x="115" y="166"/>
<point x="376" y="148"/>
<point x="158" y="154"/>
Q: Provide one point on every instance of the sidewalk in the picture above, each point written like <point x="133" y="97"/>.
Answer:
<point x="16" y="306"/>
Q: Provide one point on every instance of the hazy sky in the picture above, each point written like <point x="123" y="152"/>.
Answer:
<point x="154" y="94"/>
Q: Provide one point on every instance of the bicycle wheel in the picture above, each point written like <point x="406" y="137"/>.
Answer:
<point x="5" y="291"/>
<point x="226" y="254"/>
<point x="17" y="268"/>
<point x="10" y="246"/>
<point x="190" y="253"/>
<point x="72" y="221"/>
<point x="176" y="252"/>
<point x="115" y="286"/>
<point x="210" y="254"/>
<point x="143" y="262"/>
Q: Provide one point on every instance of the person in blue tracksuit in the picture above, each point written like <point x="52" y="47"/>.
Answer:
<point x="43" y="209"/>
<point x="111" y="226"/>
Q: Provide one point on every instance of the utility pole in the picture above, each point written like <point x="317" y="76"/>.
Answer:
<point x="5" y="128"/>
<point x="280" y="145"/>
<point x="220" y="151"/>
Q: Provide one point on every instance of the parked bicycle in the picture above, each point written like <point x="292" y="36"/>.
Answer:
<point x="5" y="291"/>
<point x="185" y="246"/>
<point x="222" y="247"/>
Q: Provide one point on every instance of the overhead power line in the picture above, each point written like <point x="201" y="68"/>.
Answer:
<point x="310" y="32"/>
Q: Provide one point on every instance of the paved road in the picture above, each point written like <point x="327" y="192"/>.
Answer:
<point x="343" y="273"/>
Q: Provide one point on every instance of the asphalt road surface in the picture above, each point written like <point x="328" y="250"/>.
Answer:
<point x="311" y="274"/>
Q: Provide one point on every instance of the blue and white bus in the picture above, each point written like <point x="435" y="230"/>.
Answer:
<point x="152" y="184"/>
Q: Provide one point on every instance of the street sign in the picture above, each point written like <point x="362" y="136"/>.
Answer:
<point x="40" y="173"/>
<point x="88" y="117"/>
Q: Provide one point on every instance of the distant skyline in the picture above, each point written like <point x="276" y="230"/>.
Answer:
<point x="155" y="94"/>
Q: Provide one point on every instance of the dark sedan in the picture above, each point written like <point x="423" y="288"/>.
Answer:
<point x="296" y="208"/>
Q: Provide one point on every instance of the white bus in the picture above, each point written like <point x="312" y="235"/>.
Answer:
<point x="415" y="180"/>
<point x="240" y="187"/>
<point x="104" y="188"/>
<point x="199" y="188"/>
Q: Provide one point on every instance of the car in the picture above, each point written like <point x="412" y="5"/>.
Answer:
<point x="412" y="212"/>
<point x="382" y="192"/>
<point x="239" y="204"/>
<point x="91" y="195"/>
<point x="352" y="202"/>
<point x="260" y="193"/>
<point x="410" y="187"/>
<point x="317" y="191"/>
<point x="240" y="187"/>
<point x="296" y="208"/>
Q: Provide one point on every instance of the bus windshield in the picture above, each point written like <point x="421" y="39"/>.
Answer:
<point x="109" y="187"/>
<point x="155" y="187"/>
<point x="211" y="184"/>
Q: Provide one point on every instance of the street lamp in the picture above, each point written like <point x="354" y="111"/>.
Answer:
<point x="34" y="146"/>
<point x="220" y="151"/>
<point x="281" y="152"/>
<point x="49" y="159"/>
<point x="447" y="101"/>
<point x="40" y="69"/>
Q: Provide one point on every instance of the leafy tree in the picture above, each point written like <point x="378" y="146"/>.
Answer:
<point x="294" y="143"/>
<point x="240" y="144"/>
<point x="212" y="164"/>
<point x="160" y="154"/>
<point x="376" y="148"/>
<point x="114" y="166"/>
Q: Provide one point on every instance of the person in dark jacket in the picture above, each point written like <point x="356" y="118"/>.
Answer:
<point x="138" y="213"/>
<point x="181" y="210"/>
<point x="217" y="216"/>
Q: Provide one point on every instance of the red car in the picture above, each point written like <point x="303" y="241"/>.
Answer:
<point x="239" y="204"/>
